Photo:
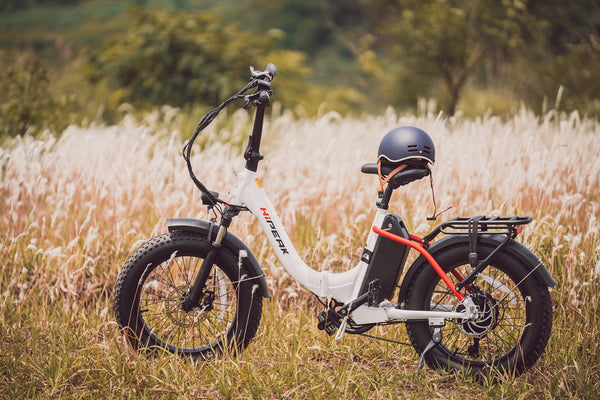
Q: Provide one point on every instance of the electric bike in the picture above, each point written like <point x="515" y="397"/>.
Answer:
<point x="475" y="299"/>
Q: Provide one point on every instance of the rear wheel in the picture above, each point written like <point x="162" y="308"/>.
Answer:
<point x="153" y="284"/>
<point x="515" y="314"/>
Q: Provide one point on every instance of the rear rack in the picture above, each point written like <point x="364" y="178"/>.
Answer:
<point x="484" y="223"/>
<point x="473" y="227"/>
<point x="478" y="224"/>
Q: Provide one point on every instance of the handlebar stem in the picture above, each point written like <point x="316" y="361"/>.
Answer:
<point x="252" y="153"/>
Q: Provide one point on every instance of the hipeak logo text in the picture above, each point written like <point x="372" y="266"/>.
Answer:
<point x="274" y="231"/>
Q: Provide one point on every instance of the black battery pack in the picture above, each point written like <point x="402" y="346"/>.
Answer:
<point x="388" y="258"/>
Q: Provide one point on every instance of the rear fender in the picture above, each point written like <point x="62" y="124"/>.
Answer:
<point x="513" y="247"/>
<point x="230" y="242"/>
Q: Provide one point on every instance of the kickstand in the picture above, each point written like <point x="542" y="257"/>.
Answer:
<point x="435" y="340"/>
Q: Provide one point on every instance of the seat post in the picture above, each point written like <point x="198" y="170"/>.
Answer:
<point x="384" y="197"/>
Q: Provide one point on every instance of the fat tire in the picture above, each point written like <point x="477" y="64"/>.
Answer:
<point x="532" y="295"/>
<point x="234" y="317"/>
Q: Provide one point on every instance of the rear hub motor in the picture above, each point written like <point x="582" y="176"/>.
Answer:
<point x="487" y="316"/>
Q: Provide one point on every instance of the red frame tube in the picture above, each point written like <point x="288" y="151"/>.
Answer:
<point x="460" y="278"/>
<point x="421" y="249"/>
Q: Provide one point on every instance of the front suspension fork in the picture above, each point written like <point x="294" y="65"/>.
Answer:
<point x="194" y="295"/>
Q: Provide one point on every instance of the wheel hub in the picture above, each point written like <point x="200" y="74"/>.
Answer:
<point x="186" y="317"/>
<point x="487" y="316"/>
<point x="205" y="302"/>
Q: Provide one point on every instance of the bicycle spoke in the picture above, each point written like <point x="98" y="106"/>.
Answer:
<point x="161" y="304"/>
<point x="502" y="298"/>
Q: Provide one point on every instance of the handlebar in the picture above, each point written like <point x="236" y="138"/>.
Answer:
<point x="261" y="81"/>
<point x="269" y="73"/>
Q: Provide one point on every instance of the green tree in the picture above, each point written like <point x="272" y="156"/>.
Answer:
<point x="27" y="101"/>
<point x="423" y="41"/>
<point x="567" y="56"/>
<point x="179" y="58"/>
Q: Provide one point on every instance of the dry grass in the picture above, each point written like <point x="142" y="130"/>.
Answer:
<point x="72" y="209"/>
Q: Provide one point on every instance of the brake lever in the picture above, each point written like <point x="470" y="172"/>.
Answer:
<point x="255" y="73"/>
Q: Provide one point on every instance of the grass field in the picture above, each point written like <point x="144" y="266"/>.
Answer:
<point x="72" y="210"/>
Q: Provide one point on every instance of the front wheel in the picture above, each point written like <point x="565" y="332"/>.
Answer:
<point x="515" y="314"/>
<point x="150" y="293"/>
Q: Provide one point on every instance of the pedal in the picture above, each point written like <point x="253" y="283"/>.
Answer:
<point x="435" y="340"/>
<point x="326" y="323"/>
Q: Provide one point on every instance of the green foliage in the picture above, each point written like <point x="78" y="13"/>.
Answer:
<point x="27" y="102"/>
<point x="328" y="33"/>
<point x="181" y="59"/>
<point x="355" y="56"/>
<point x="294" y="92"/>
<point x="178" y="58"/>
<point x="564" y="59"/>
<point x="477" y="101"/>
<point x="445" y="40"/>
<point x="581" y="90"/>
<point x="11" y="5"/>
<point x="303" y="21"/>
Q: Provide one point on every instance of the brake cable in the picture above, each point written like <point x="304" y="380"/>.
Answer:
<point x="206" y="121"/>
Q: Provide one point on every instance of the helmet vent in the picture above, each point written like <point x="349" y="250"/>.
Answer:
<point x="406" y="143"/>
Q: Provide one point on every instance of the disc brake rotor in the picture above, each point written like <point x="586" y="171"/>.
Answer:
<point x="488" y="312"/>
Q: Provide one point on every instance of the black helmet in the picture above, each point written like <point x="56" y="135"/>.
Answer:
<point x="407" y="145"/>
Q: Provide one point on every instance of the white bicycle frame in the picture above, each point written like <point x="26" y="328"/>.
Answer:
<point x="343" y="287"/>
